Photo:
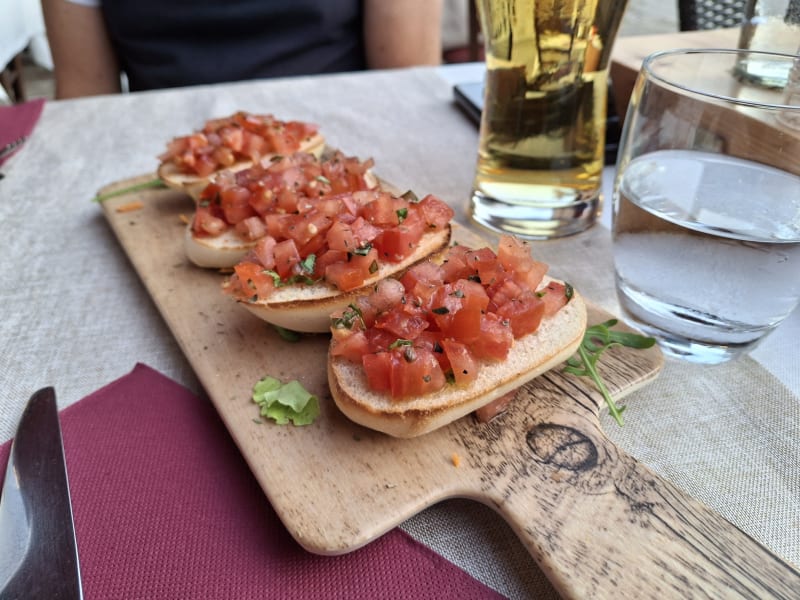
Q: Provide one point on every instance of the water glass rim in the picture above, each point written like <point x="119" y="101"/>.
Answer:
<point x="647" y="66"/>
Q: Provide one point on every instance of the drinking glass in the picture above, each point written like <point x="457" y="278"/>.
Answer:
<point x="706" y="205"/>
<point x="773" y="26"/>
<point x="542" y="135"/>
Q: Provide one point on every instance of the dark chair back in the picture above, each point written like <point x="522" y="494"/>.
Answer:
<point x="710" y="14"/>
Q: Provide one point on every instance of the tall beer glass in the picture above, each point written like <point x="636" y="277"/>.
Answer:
<point x="542" y="135"/>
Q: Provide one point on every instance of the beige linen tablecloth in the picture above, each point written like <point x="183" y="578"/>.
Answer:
<point x="76" y="316"/>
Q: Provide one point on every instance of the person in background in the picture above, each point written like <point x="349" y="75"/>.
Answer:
<point x="174" y="43"/>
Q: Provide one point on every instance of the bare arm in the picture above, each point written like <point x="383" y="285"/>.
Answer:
<point x="84" y="60"/>
<point x="401" y="33"/>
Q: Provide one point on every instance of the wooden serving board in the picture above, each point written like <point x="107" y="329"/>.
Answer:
<point x="596" y="521"/>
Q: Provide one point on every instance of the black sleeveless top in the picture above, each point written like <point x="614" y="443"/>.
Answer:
<point x="172" y="43"/>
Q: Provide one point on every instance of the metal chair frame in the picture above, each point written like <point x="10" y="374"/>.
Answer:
<point x="710" y="14"/>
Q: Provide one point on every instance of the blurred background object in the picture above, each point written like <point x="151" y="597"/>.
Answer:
<point x="774" y="26"/>
<point x="710" y="14"/>
<point x="34" y="63"/>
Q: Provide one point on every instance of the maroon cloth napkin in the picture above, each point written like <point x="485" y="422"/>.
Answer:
<point x="166" y="507"/>
<point x="17" y="121"/>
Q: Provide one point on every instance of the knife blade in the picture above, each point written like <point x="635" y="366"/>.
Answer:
<point x="38" y="549"/>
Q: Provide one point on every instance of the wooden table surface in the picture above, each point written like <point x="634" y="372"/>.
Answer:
<point x="629" y="52"/>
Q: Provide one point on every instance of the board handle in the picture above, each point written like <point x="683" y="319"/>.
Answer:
<point x="601" y="524"/>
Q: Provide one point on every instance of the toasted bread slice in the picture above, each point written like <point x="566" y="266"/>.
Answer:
<point x="193" y="184"/>
<point x="307" y="308"/>
<point x="556" y="339"/>
<point x="215" y="252"/>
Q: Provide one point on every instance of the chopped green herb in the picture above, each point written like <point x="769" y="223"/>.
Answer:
<point x="597" y="340"/>
<point x="441" y="310"/>
<point x="349" y="316"/>
<point x="285" y="402"/>
<point x="373" y="267"/>
<point x="402" y="213"/>
<point x="299" y="279"/>
<point x="399" y="342"/>
<point x="308" y="264"/>
<point x="363" y="250"/>
<point x="278" y="282"/>
<point x="276" y="279"/>
<point x="287" y="334"/>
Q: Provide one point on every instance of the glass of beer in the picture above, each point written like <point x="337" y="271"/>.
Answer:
<point x="542" y="135"/>
<point x="706" y="205"/>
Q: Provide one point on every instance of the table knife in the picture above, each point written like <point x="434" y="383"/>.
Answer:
<point x="38" y="549"/>
<point x="12" y="146"/>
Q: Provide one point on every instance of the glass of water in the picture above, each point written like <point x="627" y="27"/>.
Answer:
<point x="706" y="205"/>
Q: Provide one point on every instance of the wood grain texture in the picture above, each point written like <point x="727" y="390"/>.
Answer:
<point x="598" y="523"/>
<point x="738" y="130"/>
<point x="629" y="53"/>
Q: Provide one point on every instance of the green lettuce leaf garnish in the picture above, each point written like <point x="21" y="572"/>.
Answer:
<point x="284" y="402"/>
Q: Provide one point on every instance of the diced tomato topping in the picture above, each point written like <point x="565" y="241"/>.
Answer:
<point x="487" y="412"/>
<point x="241" y="136"/>
<point x="448" y="318"/>
<point x="378" y="367"/>
<point x="203" y="164"/>
<point x="351" y="346"/>
<point x="398" y="242"/>
<point x="402" y="324"/>
<point x="252" y="280"/>
<point x="413" y="372"/>
<point x="495" y="339"/>
<point x="328" y="258"/>
<point x="235" y="204"/>
<point x="380" y="340"/>
<point x="206" y="223"/>
<point x="512" y="251"/>
<point x="265" y="252"/>
<point x="251" y="229"/>
<point x="351" y="274"/>
<point x="554" y="295"/>
<point x="381" y="210"/>
<point x="340" y="237"/>
<point x="462" y="362"/>
<point x="341" y="230"/>
<point x="436" y="213"/>
<point x="286" y="258"/>
<point x="524" y="314"/>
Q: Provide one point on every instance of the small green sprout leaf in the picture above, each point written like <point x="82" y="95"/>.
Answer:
<point x="597" y="340"/>
<point x="284" y="402"/>
<point x="153" y="183"/>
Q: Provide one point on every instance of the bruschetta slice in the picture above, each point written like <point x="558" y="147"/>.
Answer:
<point x="319" y="260"/>
<point x="237" y="209"/>
<point x="234" y="143"/>
<point x="450" y="338"/>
